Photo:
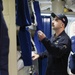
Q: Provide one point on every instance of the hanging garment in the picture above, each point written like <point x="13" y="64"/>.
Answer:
<point x="22" y="13"/>
<point x="38" y="15"/>
<point x="46" y="20"/>
<point x="41" y="26"/>
<point x="25" y="44"/>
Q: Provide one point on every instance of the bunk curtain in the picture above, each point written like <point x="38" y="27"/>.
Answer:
<point x="23" y="20"/>
<point x="39" y="25"/>
<point x="25" y="44"/>
<point x="44" y="26"/>
<point x="46" y="20"/>
<point x="38" y="44"/>
<point x="22" y="13"/>
<point x="72" y="56"/>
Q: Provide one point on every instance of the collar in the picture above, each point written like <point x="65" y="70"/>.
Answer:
<point x="58" y="37"/>
<point x="59" y="34"/>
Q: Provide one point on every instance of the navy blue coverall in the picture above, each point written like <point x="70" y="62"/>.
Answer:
<point x="4" y="44"/>
<point x="58" y="49"/>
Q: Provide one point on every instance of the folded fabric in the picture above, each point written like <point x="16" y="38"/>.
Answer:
<point x="25" y="45"/>
<point x="22" y="13"/>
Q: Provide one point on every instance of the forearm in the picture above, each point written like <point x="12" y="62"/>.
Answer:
<point x="57" y="51"/>
<point x="43" y="54"/>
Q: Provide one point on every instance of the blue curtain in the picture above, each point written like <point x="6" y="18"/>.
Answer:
<point x="46" y="20"/>
<point x="23" y="17"/>
<point x="45" y="26"/>
<point x="38" y="44"/>
<point x="38" y="15"/>
<point x="39" y="25"/>
<point x="72" y="57"/>
<point x="73" y="43"/>
<point x="23" y="20"/>
<point x="25" y="44"/>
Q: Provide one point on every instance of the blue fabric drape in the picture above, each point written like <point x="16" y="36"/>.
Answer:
<point x="38" y="44"/>
<point x="25" y="44"/>
<point x="47" y="25"/>
<point x="38" y="15"/>
<point x="23" y="19"/>
<point x="22" y="13"/>
<point x="41" y="25"/>
<point x="46" y="20"/>
<point x="72" y="57"/>
<point x="46" y="28"/>
<point x="73" y="43"/>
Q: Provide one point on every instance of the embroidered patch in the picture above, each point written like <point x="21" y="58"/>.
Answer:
<point x="56" y="42"/>
<point x="64" y="46"/>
